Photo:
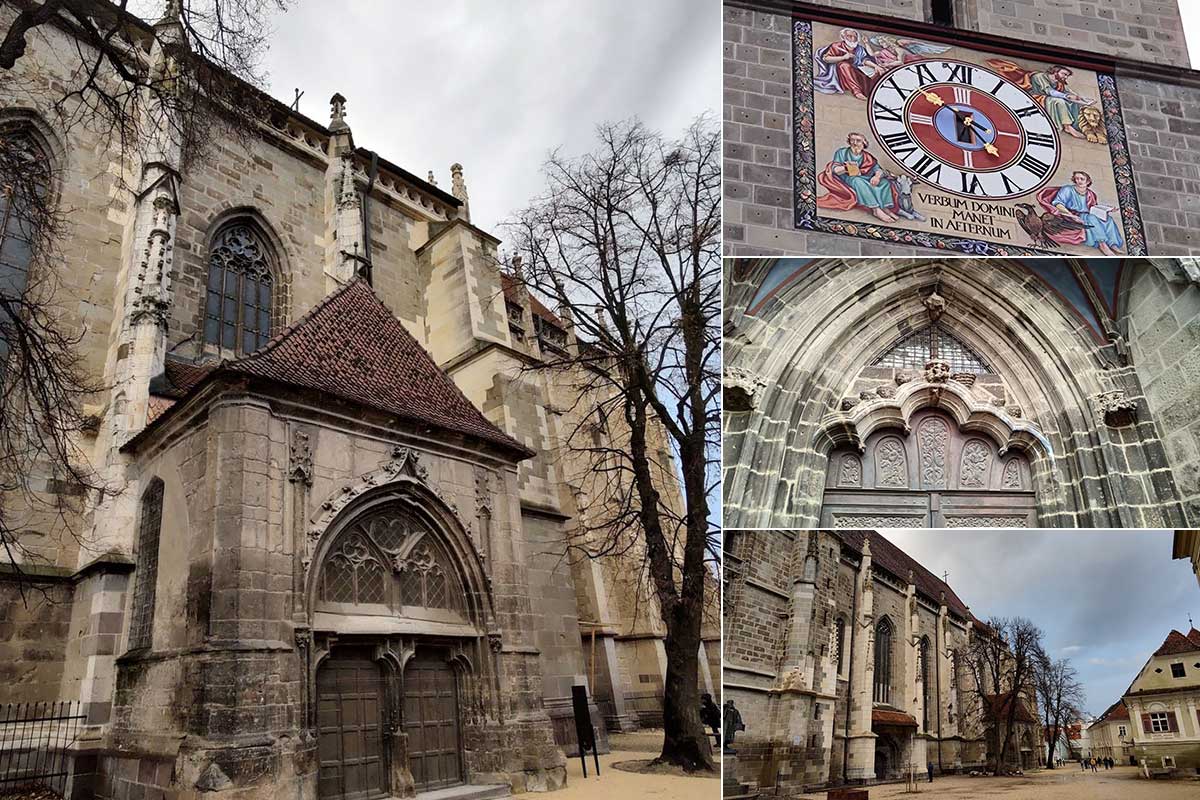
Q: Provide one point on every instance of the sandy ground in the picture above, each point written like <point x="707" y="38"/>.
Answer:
<point x="1122" y="783"/>
<point x="615" y="783"/>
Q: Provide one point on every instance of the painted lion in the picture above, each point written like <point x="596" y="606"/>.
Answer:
<point x="1091" y="124"/>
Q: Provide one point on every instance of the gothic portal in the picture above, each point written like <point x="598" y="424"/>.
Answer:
<point x="961" y="392"/>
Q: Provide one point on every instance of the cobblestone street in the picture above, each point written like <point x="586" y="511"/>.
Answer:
<point x="1122" y="783"/>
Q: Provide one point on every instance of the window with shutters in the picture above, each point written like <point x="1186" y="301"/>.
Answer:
<point x="141" y="623"/>
<point x="1159" y="722"/>
<point x="883" y="661"/>
<point x="1177" y="671"/>
<point x="241" y="278"/>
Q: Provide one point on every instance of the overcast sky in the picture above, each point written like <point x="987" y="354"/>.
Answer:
<point x="1105" y="599"/>
<point x="497" y="85"/>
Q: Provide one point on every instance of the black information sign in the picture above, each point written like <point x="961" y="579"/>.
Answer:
<point x="584" y="731"/>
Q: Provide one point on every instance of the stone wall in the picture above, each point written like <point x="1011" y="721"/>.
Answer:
<point x="1163" y="318"/>
<point x="1146" y="30"/>
<point x="759" y="204"/>
<point x="35" y="626"/>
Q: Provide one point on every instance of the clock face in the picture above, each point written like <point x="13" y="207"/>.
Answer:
<point x="964" y="128"/>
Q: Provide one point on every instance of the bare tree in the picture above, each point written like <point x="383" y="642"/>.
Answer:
<point x="626" y="241"/>
<point x="1060" y="697"/>
<point x="185" y="80"/>
<point x="1001" y="660"/>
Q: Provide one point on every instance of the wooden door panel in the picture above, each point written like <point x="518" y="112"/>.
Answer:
<point x="431" y="722"/>
<point x="350" y="729"/>
<point x="990" y="510"/>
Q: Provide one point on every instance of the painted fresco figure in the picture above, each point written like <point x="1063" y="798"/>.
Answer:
<point x="891" y="51"/>
<point x="846" y="66"/>
<point x="855" y="179"/>
<point x="1062" y="104"/>
<point x="1079" y="202"/>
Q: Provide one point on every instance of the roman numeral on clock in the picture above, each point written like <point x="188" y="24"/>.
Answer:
<point x="900" y="143"/>
<point x="884" y="112"/>
<point x="971" y="184"/>
<point x="1027" y="111"/>
<point x="900" y="90"/>
<point x="960" y="73"/>
<point x="1009" y="186"/>
<point x="925" y="74"/>
<point x="1041" y="139"/>
<point x="1035" y="166"/>
<point x="962" y="96"/>
<point x="920" y="119"/>
<point x="928" y="168"/>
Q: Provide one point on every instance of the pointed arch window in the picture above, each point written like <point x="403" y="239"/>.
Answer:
<point x="840" y="643"/>
<point x="141" y="623"/>
<point x="391" y="560"/>
<point x="926" y="691"/>
<point x="883" y="661"/>
<point x="24" y="189"/>
<point x="241" y="277"/>
<point x="929" y="343"/>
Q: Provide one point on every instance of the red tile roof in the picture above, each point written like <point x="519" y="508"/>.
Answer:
<point x="350" y="346"/>
<point x="888" y="557"/>
<point x="1177" y="643"/>
<point x="999" y="705"/>
<point x="1116" y="712"/>
<point x="883" y="716"/>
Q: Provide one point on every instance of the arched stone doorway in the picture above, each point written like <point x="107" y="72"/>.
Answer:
<point x="931" y="474"/>
<point x="351" y="727"/>
<point x="887" y="758"/>
<point x="403" y="643"/>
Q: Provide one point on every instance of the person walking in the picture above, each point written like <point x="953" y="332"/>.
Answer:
<point x="929" y="767"/>
<point x="1093" y="762"/>
<point x="1082" y="764"/>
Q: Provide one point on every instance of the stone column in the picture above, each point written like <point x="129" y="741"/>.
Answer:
<point x="861" y="764"/>
<point x="946" y="721"/>
<point x="138" y="347"/>
<point x="913" y="686"/>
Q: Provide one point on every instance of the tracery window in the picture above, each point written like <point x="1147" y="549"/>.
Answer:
<point x="141" y="622"/>
<point x="932" y="342"/>
<point x="237" y="311"/>
<point x="392" y="559"/>
<point x="883" y="661"/>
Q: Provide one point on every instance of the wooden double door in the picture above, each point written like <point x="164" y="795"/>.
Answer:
<point x="934" y="476"/>
<point x="354" y="731"/>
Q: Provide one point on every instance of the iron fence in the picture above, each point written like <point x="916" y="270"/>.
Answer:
<point x="34" y="740"/>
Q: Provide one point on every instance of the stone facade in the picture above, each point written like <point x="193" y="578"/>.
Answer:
<point x="260" y="476"/>
<point x="1086" y="398"/>
<point x="1142" y="42"/>
<point x="804" y="611"/>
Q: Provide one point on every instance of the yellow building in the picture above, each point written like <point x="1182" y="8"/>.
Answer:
<point x="1164" y="705"/>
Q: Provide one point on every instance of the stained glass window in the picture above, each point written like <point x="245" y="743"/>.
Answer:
<point x="237" y="312"/>
<point x="141" y="622"/>
<point x="934" y="341"/>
